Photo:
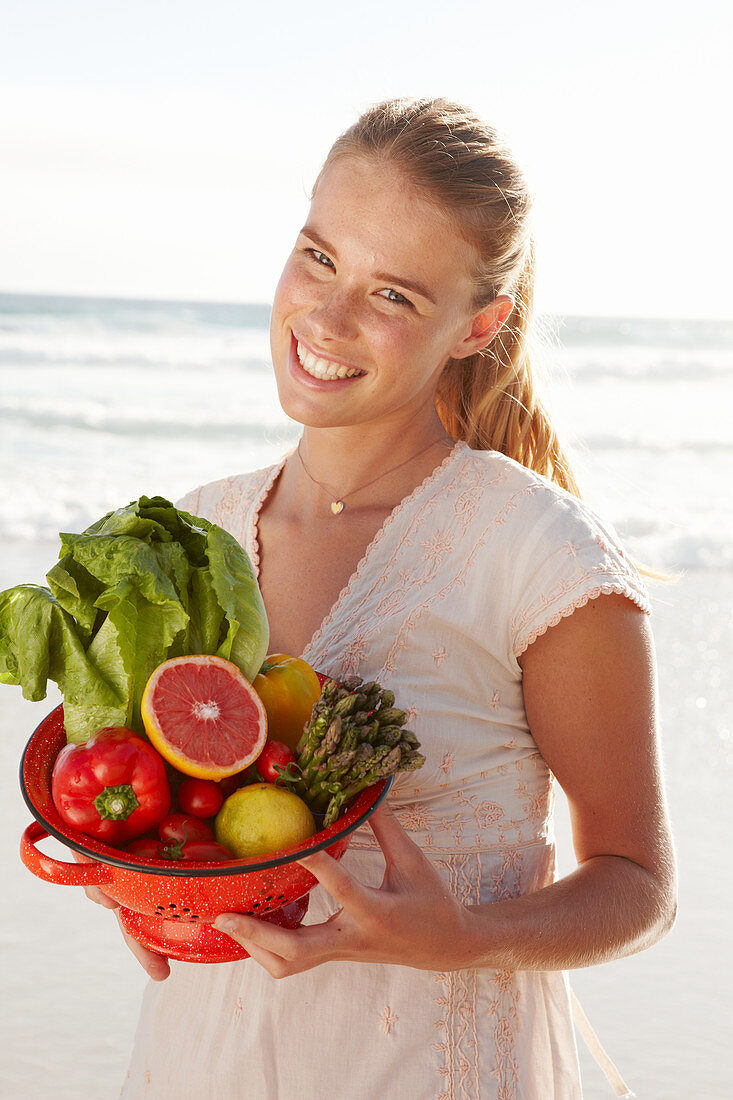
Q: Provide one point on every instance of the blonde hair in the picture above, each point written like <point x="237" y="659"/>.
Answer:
<point x="490" y="399"/>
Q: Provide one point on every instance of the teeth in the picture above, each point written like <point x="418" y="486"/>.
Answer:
<point x="324" y="368"/>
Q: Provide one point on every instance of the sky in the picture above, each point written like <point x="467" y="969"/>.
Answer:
<point x="156" y="149"/>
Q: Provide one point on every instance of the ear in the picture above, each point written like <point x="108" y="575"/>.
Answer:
<point x="484" y="327"/>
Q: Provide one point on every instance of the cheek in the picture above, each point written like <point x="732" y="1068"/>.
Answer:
<point x="395" y="337"/>
<point x="411" y="346"/>
<point x="283" y="297"/>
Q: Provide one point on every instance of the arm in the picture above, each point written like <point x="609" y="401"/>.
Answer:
<point x="589" y="686"/>
<point x="590" y="696"/>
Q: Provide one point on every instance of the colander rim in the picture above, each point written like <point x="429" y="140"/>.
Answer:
<point x="191" y="869"/>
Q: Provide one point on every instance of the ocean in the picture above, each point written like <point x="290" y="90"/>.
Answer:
<point x="103" y="400"/>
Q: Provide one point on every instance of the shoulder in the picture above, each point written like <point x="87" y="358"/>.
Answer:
<point x="228" y="497"/>
<point x="551" y="551"/>
<point x="532" y="507"/>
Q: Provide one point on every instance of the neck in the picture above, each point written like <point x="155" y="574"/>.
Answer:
<point x="377" y="466"/>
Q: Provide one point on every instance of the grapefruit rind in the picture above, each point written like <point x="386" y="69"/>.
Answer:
<point x="162" y="734"/>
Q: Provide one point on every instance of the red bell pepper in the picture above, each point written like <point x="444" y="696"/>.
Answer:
<point x="113" y="787"/>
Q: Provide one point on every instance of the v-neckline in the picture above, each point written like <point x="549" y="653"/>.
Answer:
<point x="254" y="535"/>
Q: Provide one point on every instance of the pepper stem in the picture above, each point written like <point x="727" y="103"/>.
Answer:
<point x="116" y="803"/>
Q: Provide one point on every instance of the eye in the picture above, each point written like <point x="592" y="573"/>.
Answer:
<point x="319" y="257"/>
<point x="395" y="296"/>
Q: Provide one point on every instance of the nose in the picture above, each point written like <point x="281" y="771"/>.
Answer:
<point x="334" y="316"/>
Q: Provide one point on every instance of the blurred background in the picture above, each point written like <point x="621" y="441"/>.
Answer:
<point x="156" y="162"/>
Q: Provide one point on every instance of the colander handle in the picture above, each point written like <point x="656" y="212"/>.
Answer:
<point x="55" y="870"/>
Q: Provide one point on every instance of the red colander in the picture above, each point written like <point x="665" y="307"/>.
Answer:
<point x="168" y="907"/>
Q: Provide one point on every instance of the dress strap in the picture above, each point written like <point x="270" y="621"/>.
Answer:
<point x="593" y="1043"/>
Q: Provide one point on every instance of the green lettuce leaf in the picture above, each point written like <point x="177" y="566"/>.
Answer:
<point x="142" y="584"/>
<point x="39" y="641"/>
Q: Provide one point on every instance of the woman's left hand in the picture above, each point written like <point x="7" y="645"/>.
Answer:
<point x="411" y="920"/>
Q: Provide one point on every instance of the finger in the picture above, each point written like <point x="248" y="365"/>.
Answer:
<point x="251" y="930"/>
<point x="156" y="966"/>
<point x="338" y="882"/>
<point x="391" y="837"/>
<point x="262" y="943"/>
<point x="274" y="964"/>
<point x="285" y="942"/>
<point x="98" y="896"/>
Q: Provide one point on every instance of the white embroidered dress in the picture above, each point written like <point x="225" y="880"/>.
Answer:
<point x="465" y="573"/>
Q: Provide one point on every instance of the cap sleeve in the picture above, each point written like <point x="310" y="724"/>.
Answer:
<point x="572" y="557"/>
<point x="224" y="502"/>
<point x="190" y="502"/>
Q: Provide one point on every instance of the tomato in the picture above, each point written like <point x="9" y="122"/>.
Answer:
<point x="200" y="797"/>
<point x="147" y="848"/>
<point x="113" y="787"/>
<point x="206" y="851"/>
<point x="230" y="784"/>
<point x="199" y="850"/>
<point x="183" y="828"/>
<point x="288" y="688"/>
<point x="274" y="764"/>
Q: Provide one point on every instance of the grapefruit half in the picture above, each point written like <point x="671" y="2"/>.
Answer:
<point x="203" y="716"/>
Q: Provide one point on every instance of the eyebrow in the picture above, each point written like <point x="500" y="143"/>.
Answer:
<point x="398" y="280"/>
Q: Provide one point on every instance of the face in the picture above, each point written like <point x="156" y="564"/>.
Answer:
<point x="374" y="299"/>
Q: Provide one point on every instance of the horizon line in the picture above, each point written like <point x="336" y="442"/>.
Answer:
<point x="74" y="295"/>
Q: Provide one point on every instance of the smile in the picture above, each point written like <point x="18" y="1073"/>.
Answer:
<point x="325" y="369"/>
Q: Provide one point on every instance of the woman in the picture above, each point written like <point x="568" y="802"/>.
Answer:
<point x="427" y="533"/>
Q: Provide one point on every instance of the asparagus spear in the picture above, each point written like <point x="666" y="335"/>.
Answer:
<point x="354" y="738"/>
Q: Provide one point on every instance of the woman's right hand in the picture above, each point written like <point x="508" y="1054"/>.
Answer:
<point x="156" y="966"/>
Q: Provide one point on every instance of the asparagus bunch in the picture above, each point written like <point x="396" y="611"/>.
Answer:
<point x="353" y="738"/>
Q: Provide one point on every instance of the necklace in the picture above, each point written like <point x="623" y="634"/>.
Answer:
<point x="337" y="502"/>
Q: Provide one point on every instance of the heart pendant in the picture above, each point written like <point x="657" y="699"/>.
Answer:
<point x="337" y="506"/>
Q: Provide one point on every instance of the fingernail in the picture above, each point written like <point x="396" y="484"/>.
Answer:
<point x="226" y="926"/>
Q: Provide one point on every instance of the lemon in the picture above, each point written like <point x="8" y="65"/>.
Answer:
<point x="262" y="818"/>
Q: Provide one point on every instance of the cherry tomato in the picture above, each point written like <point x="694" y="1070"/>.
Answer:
<point x="230" y="784"/>
<point x="183" y="828"/>
<point x="273" y="763"/>
<point x="147" y="848"/>
<point x="200" y="797"/>
<point x="206" y="851"/>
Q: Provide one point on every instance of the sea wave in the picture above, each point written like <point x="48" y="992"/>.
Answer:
<point x="103" y="419"/>
<point x="639" y="365"/>
<point x="175" y="359"/>
<point x="610" y="441"/>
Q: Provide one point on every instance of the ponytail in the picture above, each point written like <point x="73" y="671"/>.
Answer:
<point x="490" y="400"/>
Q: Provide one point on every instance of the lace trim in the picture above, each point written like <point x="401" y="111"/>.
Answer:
<point x="621" y="588"/>
<point x="383" y="530"/>
<point x="253" y="538"/>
